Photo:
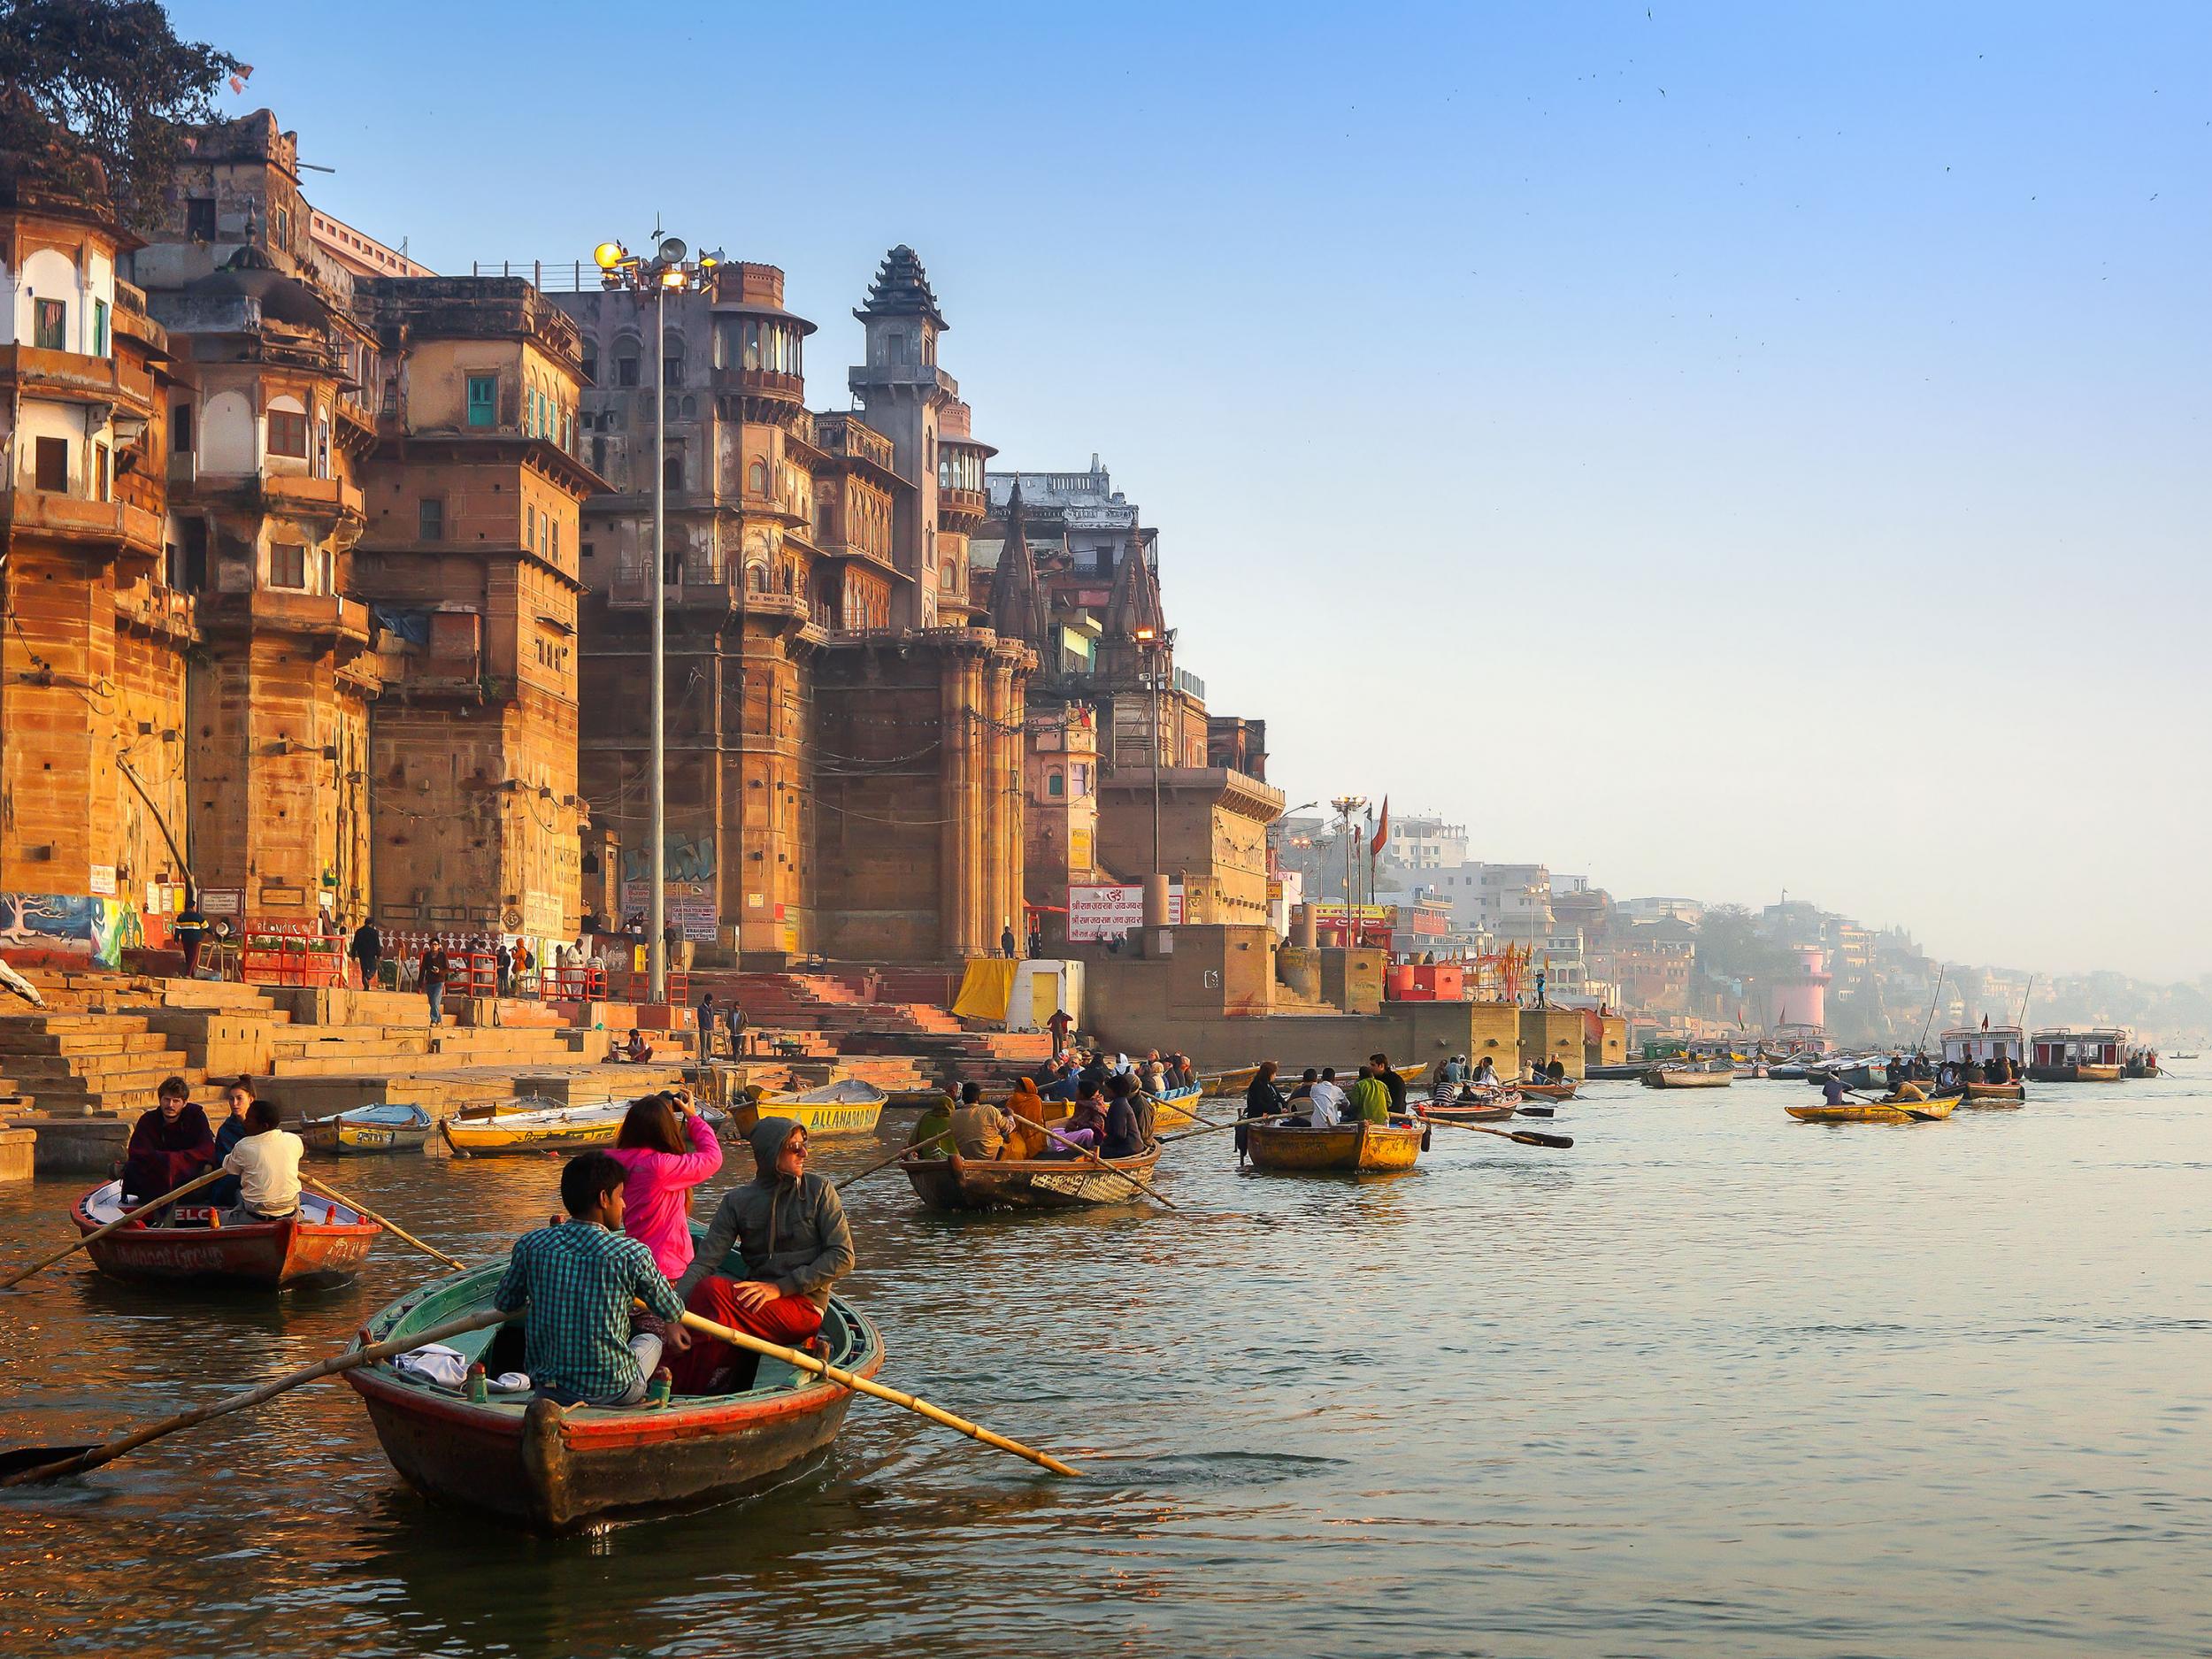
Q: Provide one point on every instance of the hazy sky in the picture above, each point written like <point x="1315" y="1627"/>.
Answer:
<point x="1713" y="448"/>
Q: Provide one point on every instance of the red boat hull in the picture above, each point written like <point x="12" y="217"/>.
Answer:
<point x="268" y="1253"/>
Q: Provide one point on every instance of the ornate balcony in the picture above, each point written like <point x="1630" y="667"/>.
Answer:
<point x="961" y="509"/>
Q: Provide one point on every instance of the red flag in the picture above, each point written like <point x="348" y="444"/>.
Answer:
<point x="1382" y="830"/>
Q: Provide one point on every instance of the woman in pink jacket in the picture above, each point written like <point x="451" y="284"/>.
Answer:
<point x="662" y="1170"/>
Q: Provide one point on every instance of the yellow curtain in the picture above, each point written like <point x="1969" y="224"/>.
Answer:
<point x="986" y="989"/>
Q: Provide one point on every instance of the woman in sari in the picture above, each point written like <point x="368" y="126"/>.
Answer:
<point x="1026" y="1107"/>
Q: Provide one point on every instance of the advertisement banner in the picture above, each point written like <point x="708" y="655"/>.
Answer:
<point x="1369" y="915"/>
<point x="1098" y="913"/>
<point x="690" y="906"/>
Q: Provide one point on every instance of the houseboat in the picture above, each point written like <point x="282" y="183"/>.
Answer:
<point x="2077" y="1056"/>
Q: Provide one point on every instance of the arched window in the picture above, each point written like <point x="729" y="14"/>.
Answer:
<point x="691" y="407"/>
<point x="626" y="363"/>
<point x="756" y="578"/>
<point x="757" y="478"/>
<point x="673" y="470"/>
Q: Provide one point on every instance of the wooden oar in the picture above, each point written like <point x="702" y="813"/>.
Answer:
<point x="1894" y="1105"/>
<point x="863" y="1385"/>
<point x="913" y="1146"/>
<point x="1526" y="1137"/>
<point x="1103" y="1164"/>
<point x="1238" y="1123"/>
<point x="389" y="1226"/>
<point x="192" y="1185"/>
<point x="92" y="1457"/>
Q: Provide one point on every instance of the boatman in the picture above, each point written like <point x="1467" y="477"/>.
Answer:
<point x="790" y="1230"/>
<point x="579" y="1279"/>
<point x="1369" y="1099"/>
<point x="1380" y="1066"/>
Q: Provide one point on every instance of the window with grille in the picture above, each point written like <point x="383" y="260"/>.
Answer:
<point x="288" y="566"/>
<point x="50" y="324"/>
<point x="430" y="520"/>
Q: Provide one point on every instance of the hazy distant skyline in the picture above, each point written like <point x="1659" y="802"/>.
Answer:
<point x="1713" y="449"/>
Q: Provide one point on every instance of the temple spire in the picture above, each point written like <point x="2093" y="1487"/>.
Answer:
<point x="1133" y="611"/>
<point x="1018" y="607"/>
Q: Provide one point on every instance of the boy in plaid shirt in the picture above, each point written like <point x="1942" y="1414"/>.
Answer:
<point x="578" y="1279"/>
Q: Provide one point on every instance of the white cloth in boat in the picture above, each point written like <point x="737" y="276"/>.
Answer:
<point x="448" y="1368"/>
<point x="1328" y="1101"/>
<point x="267" y="1166"/>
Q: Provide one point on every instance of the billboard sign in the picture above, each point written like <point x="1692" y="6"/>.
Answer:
<point x="1096" y="913"/>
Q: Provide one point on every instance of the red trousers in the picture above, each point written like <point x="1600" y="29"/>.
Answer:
<point x="790" y="1320"/>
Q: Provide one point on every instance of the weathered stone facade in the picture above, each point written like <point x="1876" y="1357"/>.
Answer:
<point x="844" y="768"/>
<point x="92" y="646"/>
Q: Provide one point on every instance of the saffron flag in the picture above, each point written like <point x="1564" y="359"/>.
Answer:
<point x="1382" y="830"/>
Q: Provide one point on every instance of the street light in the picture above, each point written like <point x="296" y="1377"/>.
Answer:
<point x="668" y="268"/>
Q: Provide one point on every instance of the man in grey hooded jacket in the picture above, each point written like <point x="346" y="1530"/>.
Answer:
<point x="790" y="1230"/>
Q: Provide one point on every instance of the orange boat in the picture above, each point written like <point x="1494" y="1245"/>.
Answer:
<point x="324" y="1243"/>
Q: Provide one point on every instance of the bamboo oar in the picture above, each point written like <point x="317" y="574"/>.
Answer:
<point x="91" y="1458"/>
<point x="1103" y="1164"/>
<point x="1235" y="1123"/>
<point x="389" y="1226"/>
<point x="911" y="1147"/>
<point x="192" y="1185"/>
<point x="1526" y="1137"/>
<point x="896" y="1396"/>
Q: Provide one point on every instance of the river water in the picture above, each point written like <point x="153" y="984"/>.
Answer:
<point x="1712" y="1382"/>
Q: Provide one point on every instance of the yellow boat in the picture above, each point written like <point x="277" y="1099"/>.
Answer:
<point x="853" y="1106"/>
<point x="1869" y="1112"/>
<point x="1177" y="1109"/>
<point x="539" y="1127"/>
<point x="1349" y="1149"/>
<point x="1217" y="1084"/>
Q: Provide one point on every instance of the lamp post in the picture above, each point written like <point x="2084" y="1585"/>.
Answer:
<point x="668" y="267"/>
<point x="1346" y="805"/>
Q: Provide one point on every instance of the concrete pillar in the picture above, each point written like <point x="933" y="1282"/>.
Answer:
<point x="1303" y="932"/>
<point x="1156" y="897"/>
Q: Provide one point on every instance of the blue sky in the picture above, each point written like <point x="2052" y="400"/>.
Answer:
<point x="1715" y="447"/>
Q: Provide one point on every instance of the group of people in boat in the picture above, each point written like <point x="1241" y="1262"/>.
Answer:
<point x="172" y="1145"/>
<point x="626" y="1240"/>
<point x="1061" y="1077"/>
<point x="1378" y="1094"/>
<point x="1115" y="1118"/>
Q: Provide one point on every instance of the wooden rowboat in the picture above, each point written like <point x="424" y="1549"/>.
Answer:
<point x="1687" y="1076"/>
<point x="1480" y="1109"/>
<point x="1995" y="1094"/>
<point x="1351" y="1148"/>
<point x="324" y="1243"/>
<point x="1176" y="1108"/>
<point x="1867" y="1112"/>
<point x="1231" y="1082"/>
<point x="851" y="1107"/>
<point x="386" y="1128"/>
<point x="958" y="1183"/>
<point x="536" y="1128"/>
<point x="1563" y="1089"/>
<point x="526" y="1460"/>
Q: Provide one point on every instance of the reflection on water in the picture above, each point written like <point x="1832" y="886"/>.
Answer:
<point x="1714" y="1381"/>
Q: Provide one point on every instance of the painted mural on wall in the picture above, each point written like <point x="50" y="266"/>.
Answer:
<point x="100" y="928"/>
<point x="682" y="861"/>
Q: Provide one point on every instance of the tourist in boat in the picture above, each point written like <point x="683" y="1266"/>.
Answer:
<point x="237" y="1097"/>
<point x="266" y="1162"/>
<point x="1328" y="1098"/>
<point x="1154" y="1074"/>
<point x="1025" y="1107"/>
<point x="1893" y="1073"/>
<point x="169" y="1146"/>
<point x="979" y="1130"/>
<point x="1369" y="1097"/>
<point x="1379" y="1066"/>
<point x="1125" y="1136"/>
<point x="578" y="1279"/>
<point x="665" y="1148"/>
<point x="1454" y="1069"/>
<point x="929" y="1138"/>
<point x="1911" y="1089"/>
<point x="1557" y="1070"/>
<point x="1487" y="1074"/>
<point x="789" y="1228"/>
<point x="1086" y="1126"/>
<point x="1093" y="1070"/>
<point x="1262" y="1099"/>
<point x="1445" y="1089"/>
